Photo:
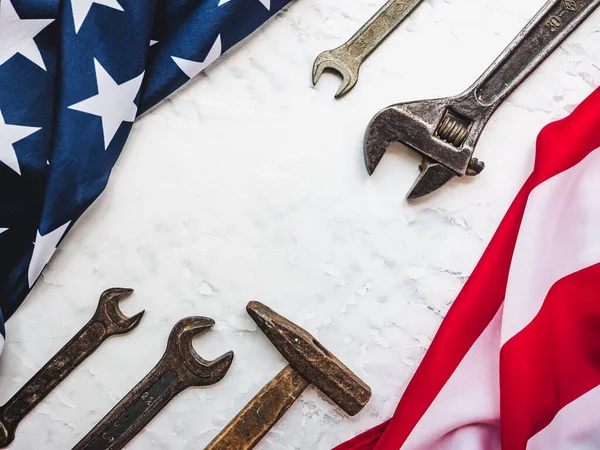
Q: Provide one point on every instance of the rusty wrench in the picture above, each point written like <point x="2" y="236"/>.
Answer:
<point x="179" y="368"/>
<point x="347" y="58"/>
<point x="445" y="131"/>
<point x="106" y="321"/>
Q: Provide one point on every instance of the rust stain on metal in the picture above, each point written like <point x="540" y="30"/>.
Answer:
<point x="108" y="320"/>
<point x="179" y="368"/>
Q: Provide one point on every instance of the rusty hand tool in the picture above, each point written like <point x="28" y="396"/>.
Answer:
<point x="106" y="321"/>
<point x="445" y="131"/>
<point x="347" y="58"/>
<point x="179" y="368"/>
<point x="309" y="362"/>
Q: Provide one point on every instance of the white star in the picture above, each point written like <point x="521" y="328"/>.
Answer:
<point x="2" y="230"/>
<point x="16" y="35"/>
<point x="43" y="249"/>
<point x="153" y="42"/>
<point x="81" y="8"/>
<point x="114" y="102"/>
<point x="266" y="3"/>
<point x="9" y="134"/>
<point x="193" y="68"/>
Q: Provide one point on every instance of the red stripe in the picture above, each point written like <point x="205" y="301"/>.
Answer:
<point x="564" y="143"/>
<point x="560" y="145"/>
<point x="366" y="440"/>
<point x="552" y="361"/>
<point x="465" y="321"/>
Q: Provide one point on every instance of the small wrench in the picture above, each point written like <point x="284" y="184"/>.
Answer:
<point x="106" y="321"/>
<point x="179" y="368"/>
<point x="445" y="131"/>
<point x="347" y="58"/>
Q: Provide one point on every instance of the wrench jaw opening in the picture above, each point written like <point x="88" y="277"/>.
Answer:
<point x="109" y="313"/>
<point x="379" y="135"/>
<point x="201" y="371"/>
<point x="429" y="127"/>
<point x="328" y="61"/>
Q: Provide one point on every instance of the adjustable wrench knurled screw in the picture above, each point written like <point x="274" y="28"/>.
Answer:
<point x="347" y="58"/>
<point x="179" y="368"/>
<point x="108" y="320"/>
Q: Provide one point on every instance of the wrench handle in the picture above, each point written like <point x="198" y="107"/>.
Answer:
<point x="83" y="344"/>
<point x="134" y="411"/>
<point x="378" y="27"/>
<point x="540" y="37"/>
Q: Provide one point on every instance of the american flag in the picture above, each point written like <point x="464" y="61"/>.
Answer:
<point x="516" y="362"/>
<point x="74" y="75"/>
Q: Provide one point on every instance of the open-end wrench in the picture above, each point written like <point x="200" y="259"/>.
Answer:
<point x="347" y="58"/>
<point x="179" y="368"/>
<point x="107" y="321"/>
<point x="445" y="131"/>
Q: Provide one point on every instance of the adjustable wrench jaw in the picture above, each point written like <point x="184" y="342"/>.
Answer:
<point x="199" y="371"/>
<point x="444" y="131"/>
<point x="109" y="314"/>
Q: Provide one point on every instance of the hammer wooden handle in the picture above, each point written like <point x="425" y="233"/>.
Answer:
<point x="262" y="412"/>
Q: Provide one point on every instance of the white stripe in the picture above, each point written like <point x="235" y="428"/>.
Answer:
<point x="575" y="427"/>
<point x="465" y="414"/>
<point x="558" y="236"/>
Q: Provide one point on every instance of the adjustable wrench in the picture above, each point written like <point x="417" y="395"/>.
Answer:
<point x="347" y="58"/>
<point x="179" y="368"/>
<point x="445" y="131"/>
<point x="106" y="321"/>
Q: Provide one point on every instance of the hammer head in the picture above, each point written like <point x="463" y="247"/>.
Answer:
<point x="444" y="131"/>
<point x="306" y="355"/>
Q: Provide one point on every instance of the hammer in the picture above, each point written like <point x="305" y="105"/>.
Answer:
<point x="309" y="362"/>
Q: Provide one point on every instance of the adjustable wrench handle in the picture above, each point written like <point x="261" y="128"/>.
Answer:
<point x="135" y="410"/>
<point x="540" y="37"/>
<point x="378" y="27"/>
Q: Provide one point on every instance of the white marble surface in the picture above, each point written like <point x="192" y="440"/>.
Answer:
<point x="249" y="184"/>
